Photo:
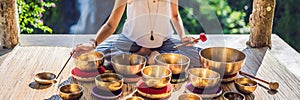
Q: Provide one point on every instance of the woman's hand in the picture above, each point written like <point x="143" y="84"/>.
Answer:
<point x="189" y="41"/>
<point x="82" y="48"/>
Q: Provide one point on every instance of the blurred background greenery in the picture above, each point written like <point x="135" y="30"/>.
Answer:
<point x="57" y="16"/>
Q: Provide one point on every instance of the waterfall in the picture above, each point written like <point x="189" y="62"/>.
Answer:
<point x="93" y="13"/>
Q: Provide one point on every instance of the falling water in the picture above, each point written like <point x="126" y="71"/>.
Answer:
<point x="93" y="13"/>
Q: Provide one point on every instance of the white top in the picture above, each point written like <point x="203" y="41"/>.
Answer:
<point x="138" y="27"/>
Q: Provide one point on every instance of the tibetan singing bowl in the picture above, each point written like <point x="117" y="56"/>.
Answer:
<point x="230" y="95"/>
<point x="245" y="85"/>
<point x="45" y="78"/>
<point x="89" y="61"/>
<point x="71" y="92"/>
<point x="134" y="98"/>
<point x="109" y="81"/>
<point x="226" y="61"/>
<point x="203" y="78"/>
<point x="128" y="64"/>
<point x="156" y="76"/>
<point x="176" y="62"/>
<point x="189" y="96"/>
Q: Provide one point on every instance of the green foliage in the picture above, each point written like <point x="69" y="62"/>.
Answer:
<point x="31" y="13"/>
<point x="232" y="21"/>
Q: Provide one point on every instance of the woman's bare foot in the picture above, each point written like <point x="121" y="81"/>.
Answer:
<point x="151" y="57"/>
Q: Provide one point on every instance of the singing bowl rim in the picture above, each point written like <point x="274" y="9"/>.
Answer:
<point x="107" y="87"/>
<point x="100" y="75"/>
<point x="96" y="59"/>
<point x="226" y="98"/>
<point x="184" y="94"/>
<point x="224" y="62"/>
<point x="185" y="63"/>
<point x="239" y="86"/>
<point x="117" y="55"/>
<point x="213" y="78"/>
<point x="148" y="76"/>
<point x="42" y="81"/>
<point x="73" y="93"/>
<point x="238" y="80"/>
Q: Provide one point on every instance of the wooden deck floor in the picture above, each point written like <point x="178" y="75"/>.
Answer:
<point x="285" y="54"/>
<point x="43" y="52"/>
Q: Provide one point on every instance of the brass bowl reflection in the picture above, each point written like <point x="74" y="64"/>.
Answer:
<point x="71" y="92"/>
<point x="109" y="81"/>
<point x="223" y="60"/>
<point x="89" y="61"/>
<point x="245" y="85"/>
<point x="230" y="95"/>
<point x="203" y="78"/>
<point x="45" y="78"/>
<point x="134" y="98"/>
<point x="189" y="96"/>
<point x="156" y="76"/>
<point x="178" y="63"/>
<point x="128" y="64"/>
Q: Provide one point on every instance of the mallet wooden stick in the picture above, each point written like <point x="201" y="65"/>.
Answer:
<point x="272" y="85"/>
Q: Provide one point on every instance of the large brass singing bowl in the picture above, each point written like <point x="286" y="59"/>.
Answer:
<point x="203" y="78"/>
<point x="45" y="78"/>
<point x="224" y="60"/>
<point x="71" y="92"/>
<point x="177" y="63"/>
<point x="245" y="85"/>
<point x="89" y="61"/>
<point x="156" y="76"/>
<point x="109" y="81"/>
<point x="128" y="64"/>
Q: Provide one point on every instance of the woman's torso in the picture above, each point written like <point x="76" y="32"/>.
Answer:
<point x="139" y="22"/>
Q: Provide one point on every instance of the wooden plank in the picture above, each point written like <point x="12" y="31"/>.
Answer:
<point x="22" y="63"/>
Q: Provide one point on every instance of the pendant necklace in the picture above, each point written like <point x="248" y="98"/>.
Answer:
<point x="152" y="25"/>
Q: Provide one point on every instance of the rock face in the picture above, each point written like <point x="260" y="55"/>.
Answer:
<point x="93" y="14"/>
<point x="261" y="22"/>
<point x="9" y="29"/>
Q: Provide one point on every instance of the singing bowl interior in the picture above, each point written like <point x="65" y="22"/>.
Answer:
<point x="128" y="64"/>
<point x="89" y="61"/>
<point x="109" y="81"/>
<point x="233" y="96"/>
<point x="176" y="62"/>
<point x="189" y="96"/>
<point x="71" y="92"/>
<point x="44" y="78"/>
<point x="203" y="78"/>
<point x="245" y="85"/>
<point x="156" y="76"/>
<point x="223" y="60"/>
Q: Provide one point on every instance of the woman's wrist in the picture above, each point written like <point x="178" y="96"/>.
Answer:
<point x="93" y="43"/>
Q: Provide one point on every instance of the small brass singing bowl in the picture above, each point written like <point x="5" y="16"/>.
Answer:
<point x="45" y="78"/>
<point x="109" y="81"/>
<point x="223" y="60"/>
<point x="189" y="96"/>
<point x="71" y="92"/>
<point x="245" y="85"/>
<point x="230" y="95"/>
<point x="178" y="63"/>
<point x="128" y="64"/>
<point x="89" y="61"/>
<point x="156" y="76"/>
<point x="203" y="78"/>
<point x="134" y="98"/>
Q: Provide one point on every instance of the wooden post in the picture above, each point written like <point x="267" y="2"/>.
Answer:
<point x="261" y="22"/>
<point x="9" y="28"/>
